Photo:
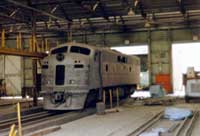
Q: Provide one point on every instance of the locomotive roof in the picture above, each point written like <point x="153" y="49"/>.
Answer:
<point x="92" y="48"/>
<point x="75" y="43"/>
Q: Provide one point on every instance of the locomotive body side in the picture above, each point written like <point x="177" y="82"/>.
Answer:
<point x="119" y="69"/>
<point x="115" y="68"/>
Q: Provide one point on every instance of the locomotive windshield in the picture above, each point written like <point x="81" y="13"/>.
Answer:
<point x="60" y="50"/>
<point x="80" y="50"/>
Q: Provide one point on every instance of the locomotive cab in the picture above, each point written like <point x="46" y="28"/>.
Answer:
<point x="65" y="77"/>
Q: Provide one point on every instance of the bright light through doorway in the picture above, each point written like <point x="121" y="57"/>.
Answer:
<point x="184" y="55"/>
<point x="132" y="50"/>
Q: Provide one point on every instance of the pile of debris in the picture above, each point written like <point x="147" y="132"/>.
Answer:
<point x="158" y="97"/>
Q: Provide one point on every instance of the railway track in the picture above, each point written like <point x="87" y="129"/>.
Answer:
<point x="26" y="119"/>
<point x="147" y="124"/>
<point x="174" y="128"/>
<point x="186" y="127"/>
<point x="42" y="119"/>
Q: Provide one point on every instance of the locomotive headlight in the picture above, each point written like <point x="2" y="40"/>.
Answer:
<point x="60" y="57"/>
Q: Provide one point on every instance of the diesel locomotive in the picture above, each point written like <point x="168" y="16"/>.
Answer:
<point x="74" y="75"/>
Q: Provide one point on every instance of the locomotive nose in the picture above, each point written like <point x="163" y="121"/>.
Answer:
<point x="71" y="70"/>
<point x="65" y="77"/>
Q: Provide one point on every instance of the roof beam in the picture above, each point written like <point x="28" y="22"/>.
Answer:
<point x="103" y="12"/>
<point x="126" y="2"/>
<point x="79" y="3"/>
<point x="13" y="18"/>
<point x="181" y="6"/>
<point x="91" y="25"/>
<point x="36" y="10"/>
<point x="43" y="3"/>
<point x="64" y="12"/>
<point x="123" y="24"/>
<point x="92" y="9"/>
<point x="138" y="5"/>
<point x="16" y="52"/>
<point x="14" y="12"/>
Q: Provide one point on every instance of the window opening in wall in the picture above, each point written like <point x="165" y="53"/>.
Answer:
<point x="132" y="50"/>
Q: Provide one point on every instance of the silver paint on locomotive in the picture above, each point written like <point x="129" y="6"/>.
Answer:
<point x="82" y="74"/>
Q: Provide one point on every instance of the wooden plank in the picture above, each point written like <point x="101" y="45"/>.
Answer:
<point x="159" y="101"/>
<point x="10" y="51"/>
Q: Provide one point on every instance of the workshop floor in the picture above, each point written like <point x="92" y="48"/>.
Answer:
<point x="130" y="117"/>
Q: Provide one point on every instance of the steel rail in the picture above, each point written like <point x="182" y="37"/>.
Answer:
<point x="147" y="124"/>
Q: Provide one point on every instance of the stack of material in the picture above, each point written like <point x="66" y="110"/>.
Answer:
<point x="157" y="97"/>
<point x="173" y="113"/>
<point x="156" y="91"/>
<point x="159" y="101"/>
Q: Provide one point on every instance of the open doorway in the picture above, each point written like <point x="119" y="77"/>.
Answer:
<point x="184" y="55"/>
<point x="140" y="51"/>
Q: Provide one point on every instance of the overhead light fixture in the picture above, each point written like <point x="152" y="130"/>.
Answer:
<point x="136" y="3"/>
<point x="11" y="29"/>
<point x="95" y="6"/>
<point x="54" y="9"/>
<point x="131" y="12"/>
<point x="147" y="24"/>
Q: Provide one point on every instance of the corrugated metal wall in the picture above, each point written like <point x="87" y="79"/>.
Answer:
<point x="11" y="73"/>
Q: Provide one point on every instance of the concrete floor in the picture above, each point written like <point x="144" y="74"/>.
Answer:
<point x="111" y="124"/>
<point x="131" y="116"/>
